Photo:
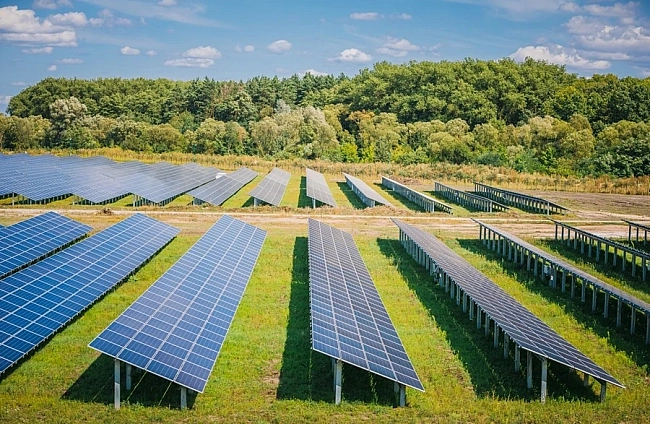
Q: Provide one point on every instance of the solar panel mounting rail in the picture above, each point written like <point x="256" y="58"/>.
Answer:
<point x="177" y="327"/>
<point x="349" y="322"/>
<point x="517" y="323"/>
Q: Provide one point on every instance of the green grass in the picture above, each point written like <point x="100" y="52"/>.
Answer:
<point x="266" y="371"/>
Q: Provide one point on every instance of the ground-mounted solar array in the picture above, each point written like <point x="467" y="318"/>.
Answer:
<point x="366" y="193"/>
<point x="177" y="327"/>
<point x="468" y="199"/>
<point x="349" y="322"/>
<point x="518" y="200"/>
<point x="32" y="239"/>
<point x="96" y="180"/>
<point x="317" y="188"/>
<point x="221" y="189"/>
<point x="271" y="189"/>
<point x="516" y="322"/>
<point x="427" y="203"/>
<point x="40" y="299"/>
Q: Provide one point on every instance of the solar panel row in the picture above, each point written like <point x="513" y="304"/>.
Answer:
<point x="28" y="241"/>
<point x="367" y="195"/>
<point x="40" y="299"/>
<point x="218" y="191"/>
<point x="177" y="327"/>
<point x="271" y="189"/>
<point x="522" y="326"/>
<point x="428" y="203"/>
<point x="348" y="319"/>
<point x="522" y="201"/>
<point x="317" y="188"/>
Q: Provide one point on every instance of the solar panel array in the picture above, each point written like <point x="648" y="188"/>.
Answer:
<point x="177" y="327"/>
<point x="348" y="319"/>
<point x="97" y="179"/>
<point x="607" y="288"/>
<point x="218" y="191"/>
<point x="523" y="327"/>
<point x="318" y="189"/>
<point x="272" y="187"/>
<point x="520" y="200"/>
<point x="369" y="196"/>
<point x="426" y="202"/>
<point x="40" y="299"/>
<point x="28" y="241"/>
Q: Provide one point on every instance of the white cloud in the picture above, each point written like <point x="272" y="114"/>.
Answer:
<point x="52" y="68"/>
<point x="620" y="39"/>
<point x="129" y="51"/>
<point x="353" y="55"/>
<point x="246" y="49"/>
<point x="151" y="53"/>
<point x="314" y="72"/>
<point x="404" y="16"/>
<point x="569" y="7"/>
<point x="617" y="10"/>
<point x="43" y="50"/>
<point x="51" y="4"/>
<point x="23" y="26"/>
<point x="558" y="55"/>
<point x="392" y="52"/>
<point x="203" y="52"/>
<point x="397" y="47"/>
<point x="4" y="100"/>
<point x="167" y="2"/>
<point x="70" y="61"/>
<point x="190" y="63"/>
<point x="584" y="25"/>
<point x="107" y="19"/>
<point x="279" y="46"/>
<point x="19" y="84"/>
<point x="368" y="16"/>
<point x="77" y="19"/>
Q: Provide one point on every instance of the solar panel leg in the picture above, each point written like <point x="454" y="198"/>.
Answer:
<point x="594" y="296"/>
<point x="583" y="295"/>
<point x="487" y="325"/>
<point x="535" y="268"/>
<point x="585" y="380"/>
<point x="529" y="369"/>
<point x="128" y="377"/>
<point x="647" y="328"/>
<point x="517" y="358"/>
<point x="402" y="395"/>
<point x="563" y="280"/>
<point x="619" y="306"/>
<point x="606" y="306"/>
<point x="603" y="391"/>
<point x="337" y="381"/>
<point x="183" y="397"/>
<point x="573" y="286"/>
<point x="544" y="377"/>
<point x="633" y="265"/>
<point x="633" y="321"/>
<point x="496" y="335"/>
<point x="116" y="386"/>
<point x="464" y="302"/>
<point x="478" y="317"/>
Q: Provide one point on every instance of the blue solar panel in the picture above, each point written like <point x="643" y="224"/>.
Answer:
<point x="218" y="191"/>
<point x="177" y="327"/>
<point x="38" y="300"/>
<point x="30" y="240"/>
<point x="348" y="319"/>
<point x="272" y="187"/>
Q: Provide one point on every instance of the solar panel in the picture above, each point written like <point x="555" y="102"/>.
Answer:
<point x="317" y="188"/>
<point x="28" y="241"/>
<point x="348" y="319"/>
<point x="271" y="189"/>
<point x="369" y="196"/>
<point x="177" y="327"/>
<point x="523" y="201"/>
<point x="40" y="299"/>
<point x="523" y="327"/>
<point x="218" y="191"/>
<point x="427" y="203"/>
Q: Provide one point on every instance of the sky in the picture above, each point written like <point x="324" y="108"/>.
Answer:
<point x="237" y="40"/>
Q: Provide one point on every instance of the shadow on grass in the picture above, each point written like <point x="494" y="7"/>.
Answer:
<point x="633" y="345"/>
<point x="248" y="203"/>
<point x="492" y="376"/>
<point x="352" y="198"/>
<point x="96" y="384"/>
<point x="303" y="200"/>
<point x="399" y="198"/>
<point x="306" y="374"/>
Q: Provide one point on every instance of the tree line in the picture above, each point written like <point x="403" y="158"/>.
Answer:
<point x="530" y="116"/>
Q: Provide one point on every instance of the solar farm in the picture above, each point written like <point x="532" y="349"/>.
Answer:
<point x="183" y="292"/>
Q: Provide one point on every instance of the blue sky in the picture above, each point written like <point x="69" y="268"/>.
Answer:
<point x="186" y="39"/>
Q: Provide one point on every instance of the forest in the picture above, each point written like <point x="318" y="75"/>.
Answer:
<point x="531" y="116"/>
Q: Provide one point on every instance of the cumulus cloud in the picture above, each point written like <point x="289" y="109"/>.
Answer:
<point x="107" y="19"/>
<point x="558" y="55"/>
<point x="77" y="19"/>
<point x="246" y="49"/>
<point x="69" y="61"/>
<point x="279" y="47"/>
<point x="23" y="26"/>
<point x="368" y="16"/>
<point x="129" y="51"/>
<point x="52" y="68"/>
<point x="404" y="16"/>
<point x="397" y="47"/>
<point x="353" y="55"/>
<point x="51" y="4"/>
<point x="617" y="10"/>
<point x="167" y="2"/>
<point x="190" y="62"/>
<point x="313" y="72"/>
<point x="43" y="50"/>
<point x="5" y="99"/>
<point x="621" y="39"/>
<point x="151" y="53"/>
<point x="203" y="52"/>
<point x="19" y="84"/>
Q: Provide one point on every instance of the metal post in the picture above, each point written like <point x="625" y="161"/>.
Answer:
<point x="506" y="345"/>
<point x="585" y="380"/>
<point x="606" y="305"/>
<point x="544" y="377"/>
<point x="116" y="389"/>
<point x="619" y="306"/>
<point x="183" y="397"/>
<point x="517" y="358"/>
<point x="594" y="294"/>
<point x="633" y="320"/>
<point x="496" y="335"/>
<point x="402" y="395"/>
<point x="529" y="369"/>
<point x="128" y="377"/>
<point x="338" y="377"/>
<point x="487" y="324"/>
<point x="603" y="390"/>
